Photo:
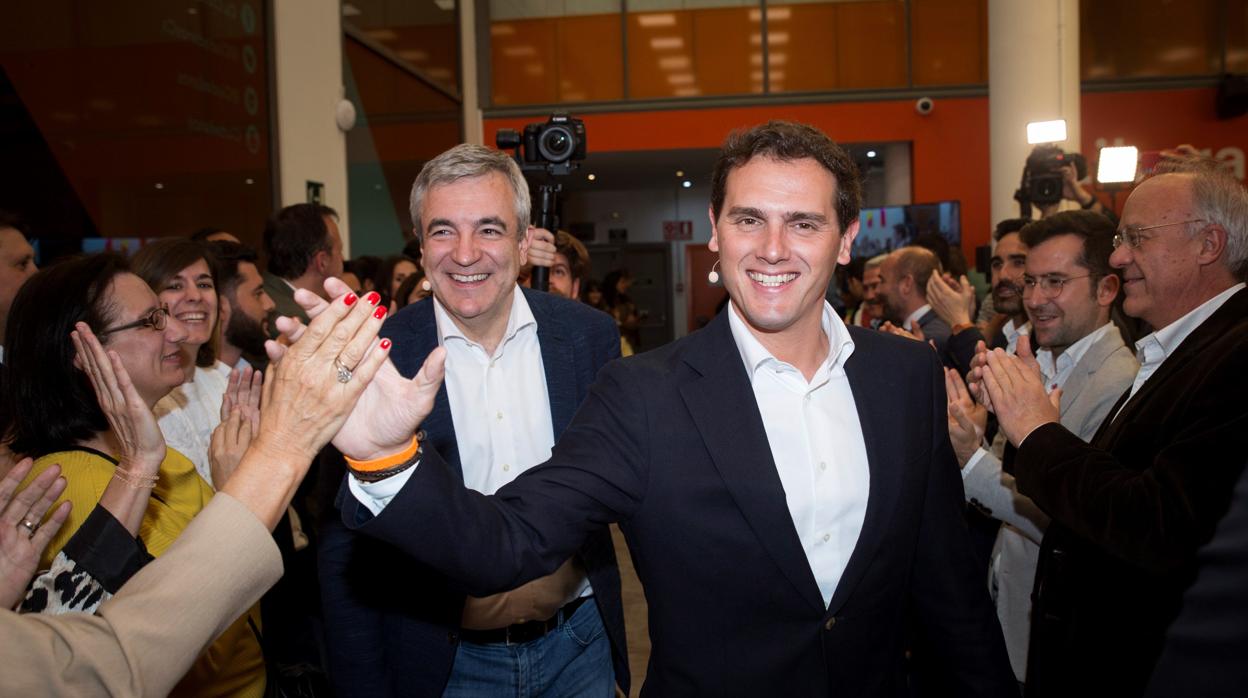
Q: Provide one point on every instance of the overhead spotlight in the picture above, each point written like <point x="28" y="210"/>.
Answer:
<point x="249" y="180"/>
<point x="870" y="153"/>
<point x="680" y="173"/>
<point x="686" y="184"/>
<point x="1117" y="164"/>
<point x="591" y="177"/>
<point x="1046" y="131"/>
<point x="160" y="185"/>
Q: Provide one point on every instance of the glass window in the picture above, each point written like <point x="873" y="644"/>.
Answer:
<point x="1149" y="38"/>
<point x="949" y="42"/>
<point x="545" y="53"/>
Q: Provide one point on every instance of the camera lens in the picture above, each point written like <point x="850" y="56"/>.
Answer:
<point x="556" y="144"/>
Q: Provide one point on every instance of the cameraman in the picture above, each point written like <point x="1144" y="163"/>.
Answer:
<point x="1072" y="191"/>
<point x="1045" y="161"/>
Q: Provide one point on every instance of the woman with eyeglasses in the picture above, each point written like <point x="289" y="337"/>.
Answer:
<point x="55" y="416"/>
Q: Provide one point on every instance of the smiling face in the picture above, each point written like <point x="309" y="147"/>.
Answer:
<point x="1009" y="262"/>
<point x="153" y="358"/>
<point x="191" y="298"/>
<point x="1161" y="278"/>
<point x="471" y="250"/>
<point x="1080" y="308"/>
<point x="779" y="242"/>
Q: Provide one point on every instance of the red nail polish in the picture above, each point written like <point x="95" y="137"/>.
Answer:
<point x="349" y="300"/>
<point x="385" y="344"/>
<point x="373" y="297"/>
<point x="380" y="312"/>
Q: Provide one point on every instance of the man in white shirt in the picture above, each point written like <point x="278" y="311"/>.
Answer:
<point x="785" y="483"/>
<point x="1068" y="289"/>
<point x="518" y="365"/>
<point x="903" y="294"/>
<point x="1130" y="509"/>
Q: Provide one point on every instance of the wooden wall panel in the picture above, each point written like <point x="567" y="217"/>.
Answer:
<point x="660" y="55"/>
<point x="871" y="44"/>
<point x="590" y="58"/>
<point x="523" y="53"/>
<point x="724" y="42"/>
<point x="949" y="41"/>
<point x="803" y="52"/>
<point x="1134" y="38"/>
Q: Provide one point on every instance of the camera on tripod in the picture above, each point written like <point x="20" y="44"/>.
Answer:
<point x="555" y="146"/>
<point x="1042" y="175"/>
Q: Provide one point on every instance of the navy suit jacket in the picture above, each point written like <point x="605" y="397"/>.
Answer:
<point x="392" y="623"/>
<point x="671" y="445"/>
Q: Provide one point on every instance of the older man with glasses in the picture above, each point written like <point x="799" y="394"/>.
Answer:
<point x="1130" y="508"/>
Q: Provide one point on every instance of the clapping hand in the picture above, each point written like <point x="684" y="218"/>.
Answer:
<point x="22" y="537"/>
<point x="392" y="407"/>
<point x="240" y="421"/>
<point x="953" y="301"/>
<point x="968" y="420"/>
<point x="1018" y="397"/>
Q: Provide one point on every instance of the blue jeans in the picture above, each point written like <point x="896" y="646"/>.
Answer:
<point x="574" y="659"/>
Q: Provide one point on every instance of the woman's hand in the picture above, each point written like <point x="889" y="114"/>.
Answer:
<point x="244" y="391"/>
<point x="139" y="439"/>
<point x="230" y="441"/>
<point x="22" y="537"/>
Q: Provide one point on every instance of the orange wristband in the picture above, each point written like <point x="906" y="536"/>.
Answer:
<point x="385" y="462"/>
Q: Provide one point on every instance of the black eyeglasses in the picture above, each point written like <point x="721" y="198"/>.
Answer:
<point x="156" y="319"/>
<point x="1050" y="286"/>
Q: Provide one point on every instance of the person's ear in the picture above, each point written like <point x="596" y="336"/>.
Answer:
<point x="713" y="245"/>
<point x="1107" y="290"/>
<point x="1213" y="239"/>
<point x="223" y="311"/>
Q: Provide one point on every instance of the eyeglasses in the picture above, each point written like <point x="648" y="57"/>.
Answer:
<point x="157" y="319"/>
<point x="1050" y="286"/>
<point x="1131" y="236"/>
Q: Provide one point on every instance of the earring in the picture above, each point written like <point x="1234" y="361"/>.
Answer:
<point x="425" y="285"/>
<point x="713" y="277"/>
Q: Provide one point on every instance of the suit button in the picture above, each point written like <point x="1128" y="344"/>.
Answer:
<point x="831" y="622"/>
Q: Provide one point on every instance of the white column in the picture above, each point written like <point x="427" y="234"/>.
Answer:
<point x="307" y="43"/>
<point x="474" y="128"/>
<point x="1033" y="58"/>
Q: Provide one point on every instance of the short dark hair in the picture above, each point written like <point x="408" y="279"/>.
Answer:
<point x="157" y="262"/>
<point x="203" y="234"/>
<point x="48" y="403"/>
<point x="576" y="253"/>
<point x="1007" y="226"/>
<point x="856" y="268"/>
<point x="787" y="141"/>
<point x="14" y="221"/>
<point x="1096" y="231"/>
<point x="294" y="235"/>
<point x="405" y="289"/>
<point x="385" y="275"/>
<point x="229" y="255"/>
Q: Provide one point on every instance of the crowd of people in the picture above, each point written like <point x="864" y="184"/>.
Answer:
<point x="1035" y="492"/>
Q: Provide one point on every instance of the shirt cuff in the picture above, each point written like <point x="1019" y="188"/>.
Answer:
<point x="376" y="495"/>
<point x="104" y="549"/>
<point x="976" y="457"/>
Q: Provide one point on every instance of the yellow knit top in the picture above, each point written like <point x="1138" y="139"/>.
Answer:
<point x="234" y="664"/>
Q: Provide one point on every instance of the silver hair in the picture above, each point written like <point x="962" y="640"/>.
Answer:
<point x="1219" y="198"/>
<point x="464" y="161"/>
<point x="875" y="261"/>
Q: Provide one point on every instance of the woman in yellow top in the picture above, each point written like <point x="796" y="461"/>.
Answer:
<point x="53" y="414"/>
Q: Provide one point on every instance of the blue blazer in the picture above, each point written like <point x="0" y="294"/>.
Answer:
<point x="671" y="445"/>
<point x="392" y="623"/>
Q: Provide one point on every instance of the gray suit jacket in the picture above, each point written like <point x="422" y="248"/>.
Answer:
<point x="1104" y="373"/>
<point x="283" y="300"/>
<point x="145" y="638"/>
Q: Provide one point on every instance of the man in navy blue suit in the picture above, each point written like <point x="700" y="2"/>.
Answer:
<point x="518" y="365"/>
<point x="786" y="484"/>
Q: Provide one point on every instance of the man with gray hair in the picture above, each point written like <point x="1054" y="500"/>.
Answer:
<point x="518" y="365"/>
<point x="1130" y="509"/>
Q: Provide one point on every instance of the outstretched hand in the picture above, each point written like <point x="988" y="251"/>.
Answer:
<point x="139" y="438"/>
<point x="20" y="547"/>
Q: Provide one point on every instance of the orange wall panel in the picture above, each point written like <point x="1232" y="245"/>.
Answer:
<point x="871" y="44"/>
<point x="724" y="41"/>
<point x="660" y="55"/>
<point x="803" y="59"/>
<point x="590" y="59"/>
<point x="950" y="41"/>
<point x="523" y="62"/>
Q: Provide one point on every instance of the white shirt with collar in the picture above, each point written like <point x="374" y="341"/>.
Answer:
<point x="914" y="317"/>
<point x="1055" y="370"/>
<point x="499" y="405"/>
<point x="1154" y="349"/>
<point x="1012" y="333"/>
<point x="817" y="444"/>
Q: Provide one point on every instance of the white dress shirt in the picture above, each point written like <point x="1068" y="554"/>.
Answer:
<point x="817" y="444"/>
<point x="1154" y="349"/>
<point x="914" y="318"/>
<point x="189" y="413"/>
<point x="1012" y="333"/>
<point x="1056" y="369"/>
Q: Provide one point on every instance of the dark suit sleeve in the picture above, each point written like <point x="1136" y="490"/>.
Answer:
<point x="1152" y="513"/>
<point x="960" y="349"/>
<point x="494" y="543"/>
<point x="1206" y="646"/>
<point x="957" y="622"/>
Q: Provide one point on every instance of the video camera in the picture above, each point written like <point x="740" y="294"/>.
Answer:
<point x="1042" y="176"/>
<point x="554" y="148"/>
